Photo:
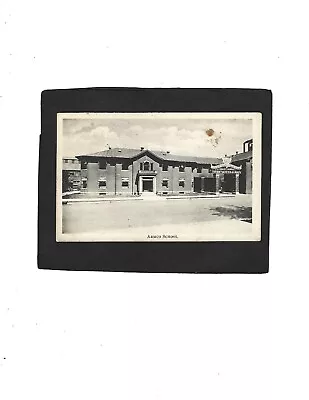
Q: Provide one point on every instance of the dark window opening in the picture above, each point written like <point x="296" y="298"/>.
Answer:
<point x="84" y="165"/>
<point x="181" y="168"/>
<point x="102" y="164"/>
<point x="165" y="167"/>
<point x="84" y="184"/>
<point x="182" y="183"/>
<point x="151" y="166"/>
<point x="146" y="166"/>
<point x="165" y="183"/>
<point x="125" y="166"/>
<point x="125" y="183"/>
<point x="199" y="169"/>
<point x="102" y="184"/>
<point x="141" y="166"/>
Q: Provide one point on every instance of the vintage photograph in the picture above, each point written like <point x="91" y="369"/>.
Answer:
<point x="158" y="177"/>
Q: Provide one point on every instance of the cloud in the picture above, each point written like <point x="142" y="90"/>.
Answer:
<point x="187" y="137"/>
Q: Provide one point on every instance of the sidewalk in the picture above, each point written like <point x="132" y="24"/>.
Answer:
<point x="147" y="198"/>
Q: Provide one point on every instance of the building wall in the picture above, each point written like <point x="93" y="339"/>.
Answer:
<point x="245" y="177"/>
<point x="71" y="174"/>
<point x="70" y="164"/>
<point x="248" y="176"/>
<point x="114" y="174"/>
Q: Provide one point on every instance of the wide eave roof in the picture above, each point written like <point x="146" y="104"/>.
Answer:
<point x="131" y="153"/>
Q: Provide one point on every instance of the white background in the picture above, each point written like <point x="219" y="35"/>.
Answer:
<point x="86" y="335"/>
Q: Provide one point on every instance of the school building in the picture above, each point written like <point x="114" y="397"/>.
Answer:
<point x="123" y="171"/>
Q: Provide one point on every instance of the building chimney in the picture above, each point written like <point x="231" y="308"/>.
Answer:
<point x="142" y="148"/>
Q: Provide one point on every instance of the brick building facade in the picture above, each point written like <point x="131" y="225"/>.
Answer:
<point x="122" y="171"/>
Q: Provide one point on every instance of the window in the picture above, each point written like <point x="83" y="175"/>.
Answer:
<point x="165" y="182"/>
<point x="199" y="169"/>
<point x="125" y="182"/>
<point x="181" y="183"/>
<point x="181" y="168"/>
<point x="151" y="166"/>
<point x="165" y="167"/>
<point x="146" y="166"/>
<point x="84" y="165"/>
<point x="102" y="183"/>
<point x="102" y="164"/>
<point x="84" y="183"/>
<point x="141" y="166"/>
<point x="125" y="166"/>
<point x="66" y="161"/>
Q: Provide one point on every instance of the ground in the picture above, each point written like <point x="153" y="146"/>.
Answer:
<point x="139" y="219"/>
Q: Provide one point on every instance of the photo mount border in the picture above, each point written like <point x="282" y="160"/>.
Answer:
<point x="188" y="257"/>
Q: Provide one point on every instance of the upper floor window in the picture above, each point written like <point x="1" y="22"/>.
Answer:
<point x="181" y="168"/>
<point x="199" y="169"/>
<point x="165" y="167"/>
<point x="84" y="165"/>
<point x="151" y="166"/>
<point x="146" y="166"/>
<point x="181" y="183"/>
<point x="125" y="166"/>
<point x="102" y="164"/>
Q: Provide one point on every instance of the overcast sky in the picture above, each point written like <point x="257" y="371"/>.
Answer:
<point x="184" y="137"/>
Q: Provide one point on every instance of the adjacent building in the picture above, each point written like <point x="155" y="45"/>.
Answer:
<point x="71" y="174"/>
<point x="123" y="171"/>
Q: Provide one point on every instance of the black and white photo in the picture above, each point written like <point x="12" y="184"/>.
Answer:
<point x="158" y="177"/>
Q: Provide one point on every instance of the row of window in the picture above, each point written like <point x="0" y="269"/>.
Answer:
<point x="69" y="160"/>
<point x="145" y="166"/>
<point x="125" y="183"/>
<point x="181" y="183"/>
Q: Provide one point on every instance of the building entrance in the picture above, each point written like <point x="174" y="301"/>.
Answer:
<point x="147" y="184"/>
<point x="229" y="183"/>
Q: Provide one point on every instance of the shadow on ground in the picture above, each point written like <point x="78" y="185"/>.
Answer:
<point x="234" y="212"/>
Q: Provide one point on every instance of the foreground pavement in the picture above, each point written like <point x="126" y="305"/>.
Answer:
<point x="186" y="219"/>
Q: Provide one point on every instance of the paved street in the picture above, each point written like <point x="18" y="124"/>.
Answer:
<point x="150" y="217"/>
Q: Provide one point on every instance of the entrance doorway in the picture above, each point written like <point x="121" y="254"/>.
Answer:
<point x="147" y="184"/>
<point x="229" y="183"/>
<point x="197" y="185"/>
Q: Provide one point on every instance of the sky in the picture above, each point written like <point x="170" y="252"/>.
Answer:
<point x="179" y="136"/>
